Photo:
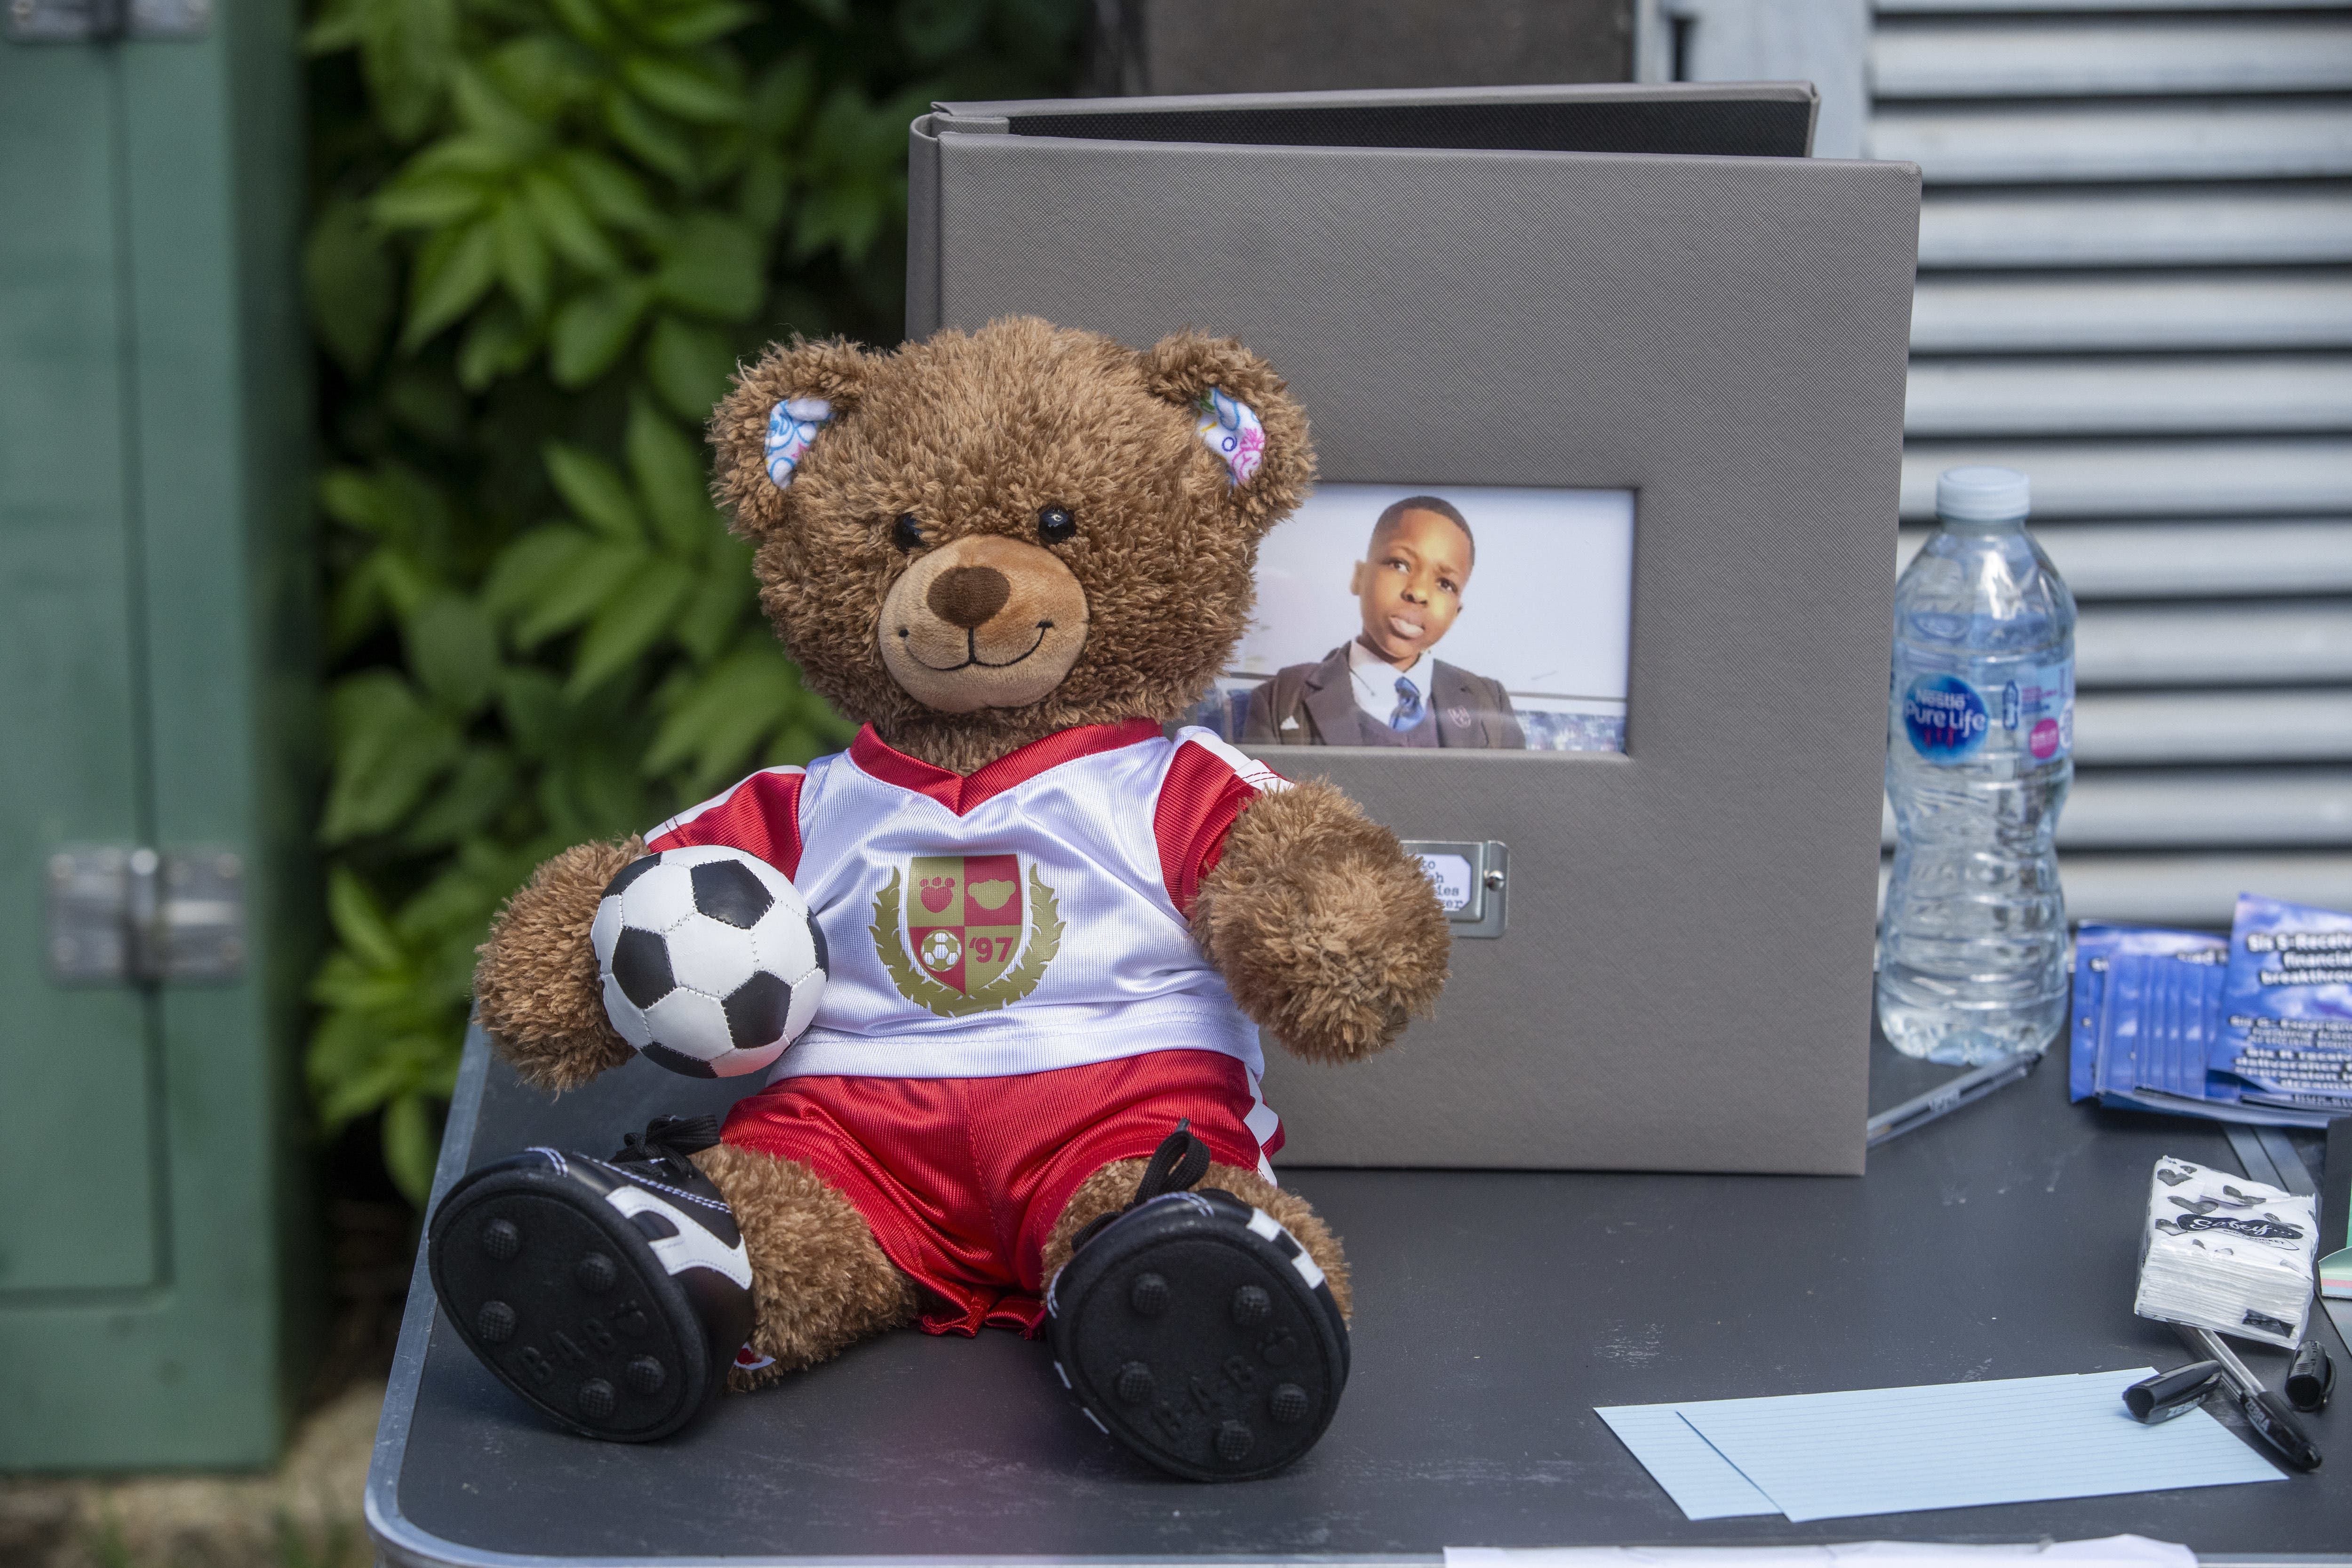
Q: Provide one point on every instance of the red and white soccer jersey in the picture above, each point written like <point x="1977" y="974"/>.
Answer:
<point x="1027" y="920"/>
<point x="1031" y="915"/>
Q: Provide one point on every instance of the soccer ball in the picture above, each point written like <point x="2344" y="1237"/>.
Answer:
<point x="711" y="961"/>
<point x="940" y="949"/>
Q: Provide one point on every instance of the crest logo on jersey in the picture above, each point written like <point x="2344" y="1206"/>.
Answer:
<point x="966" y="933"/>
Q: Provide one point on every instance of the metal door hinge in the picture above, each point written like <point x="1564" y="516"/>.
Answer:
<point x="1471" y="876"/>
<point x="136" y="916"/>
<point x="103" y="21"/>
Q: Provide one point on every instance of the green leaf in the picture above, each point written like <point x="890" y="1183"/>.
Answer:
<point x="688" y="365"/>
<point x="499" y="344"/>
<point x="350" y="283"/>
<point x="407" y="50"/>
<point x="609" y="188"/>
<point x="725" y="715"/>
<point x="712" y="265"/>
<point x="697" y="97"/>
<point x="596" y="491"/>
<point x="564" y="221"/>
<point x="411" y="1147"/>
<point x="524" y="264"/>
<point x="594" y="329"/>
<point x="629" y="623"/>
<point x="586" y="21"/>
<point x="454" y="270"/>
<point x="454" y="651"/>
<point x="487" y="113"/>
<point x="934" y="30"/>
<point x="530" y="566"/>
<point x="781" y="98"/>
<point x="431" y="203"/>
<point x="585" y="585"/>
<point x="483" y="785"/>
<point x="358" y="920"/>
<point x="721" y="605"/>
<point x="686" y="27"/>
<point x="650" y="136"/>
<point x="388" y="748"/>
<point x="668" y="470"/>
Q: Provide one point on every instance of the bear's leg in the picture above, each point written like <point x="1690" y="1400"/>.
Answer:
<point x="1208" y="1336"/>
<point x="820" y="1281"/>
<point x="1108" y="1189"/>
<point x="614" y="1294"/>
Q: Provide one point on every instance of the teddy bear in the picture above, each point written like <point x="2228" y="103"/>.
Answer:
<point x="1017" y="557"/>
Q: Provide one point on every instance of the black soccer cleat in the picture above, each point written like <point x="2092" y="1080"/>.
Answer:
<point x="1195" y="1329"/>
<point x="610" y="1294"/>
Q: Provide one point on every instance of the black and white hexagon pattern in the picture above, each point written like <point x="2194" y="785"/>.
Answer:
<point x="711" y="961"/>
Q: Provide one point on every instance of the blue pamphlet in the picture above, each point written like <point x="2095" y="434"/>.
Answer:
<point x="2186" y="1023"/>
<point x="2287" y="1007"/>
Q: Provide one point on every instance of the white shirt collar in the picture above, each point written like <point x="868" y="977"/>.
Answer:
<point x="1376" y="679"/>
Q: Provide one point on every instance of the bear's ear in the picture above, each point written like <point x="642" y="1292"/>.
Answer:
<point x="765" y="426"/>
<point x="1244" y="417"/>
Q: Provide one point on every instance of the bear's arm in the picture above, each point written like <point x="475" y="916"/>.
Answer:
<point x="536" y="984"/>
<point x="1327" y="932"/>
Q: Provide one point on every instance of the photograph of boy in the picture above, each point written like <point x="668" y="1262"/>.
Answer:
<point x="1385" y="688"/>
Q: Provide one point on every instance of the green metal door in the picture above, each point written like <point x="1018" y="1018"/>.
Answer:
<point x="151" y="682"/>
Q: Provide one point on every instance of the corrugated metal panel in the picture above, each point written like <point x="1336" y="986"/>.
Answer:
<point x="2027" y="57"/>
<point x="2240" y="644"/>
<point x="2188" y="139"/>
<point x="2197" y="890"/>
<point x="2144" y="727"/>
<point x="2151" y="478"/>
<point x="2189" y="430"/>
<point x="2129" y="394"/>
<point x="2166" y="227"/>
<point x="2131" y="311"/>
<point x="2032" y="8"/>
<point x="2184" y="560"/>
<point x="2223" y="808"/>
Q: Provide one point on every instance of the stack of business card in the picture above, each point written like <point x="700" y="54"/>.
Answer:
<point x="2228" y="1254"/>
<point x="2256" y="1027"/>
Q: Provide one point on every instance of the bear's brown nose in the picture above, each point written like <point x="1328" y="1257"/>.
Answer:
<point x="967" y="596"/>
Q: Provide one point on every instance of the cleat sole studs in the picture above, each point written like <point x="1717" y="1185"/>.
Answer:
<point x="646" y="1375"/>
<point x="1149" y="1295"/>
<point x="501" y="1239"/>
<point x="1251" y="1305"/>
<point x="595" y="1274"/>
<point x="597" y="1400"/>
<point x="1235" y="1441"/>
<point x="1289" y="1403"/>
<point x="1135" y="1383"/>
<point x="495" y="1322"/>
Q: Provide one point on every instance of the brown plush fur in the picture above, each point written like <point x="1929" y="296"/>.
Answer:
<point x="819" y="1281"/>
<point x="1108" y="1189"/>
<point x="1327" y="932"/>
<point x="536" y="983"/>
<point x="976" y="434"/>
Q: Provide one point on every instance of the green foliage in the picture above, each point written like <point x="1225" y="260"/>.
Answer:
<point x="543" y="234"/>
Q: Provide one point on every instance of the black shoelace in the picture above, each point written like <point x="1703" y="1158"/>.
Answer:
<point x="1177" y="1165"/>
<point x="668" y="1141"/>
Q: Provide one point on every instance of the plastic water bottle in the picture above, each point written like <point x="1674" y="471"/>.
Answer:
<point x="1979" y="754"/>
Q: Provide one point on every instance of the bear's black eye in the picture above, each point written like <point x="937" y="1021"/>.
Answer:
<point x="1056" y="526"/>
<point x="907" y="533"/>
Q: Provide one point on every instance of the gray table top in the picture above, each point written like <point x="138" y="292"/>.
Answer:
<point x="1494" y="1311"/>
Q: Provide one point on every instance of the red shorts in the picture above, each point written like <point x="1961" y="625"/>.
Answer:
<point x="962" y="1178"/>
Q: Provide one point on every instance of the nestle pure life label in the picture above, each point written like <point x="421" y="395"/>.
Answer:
<point x="1950" y="718"/>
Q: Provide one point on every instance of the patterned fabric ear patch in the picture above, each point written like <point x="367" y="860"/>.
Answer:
<point x="1232" y="431"/>
<point x="792" y="425"/>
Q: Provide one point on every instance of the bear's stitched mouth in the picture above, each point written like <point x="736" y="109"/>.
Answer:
<point x="971" y="652"/>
